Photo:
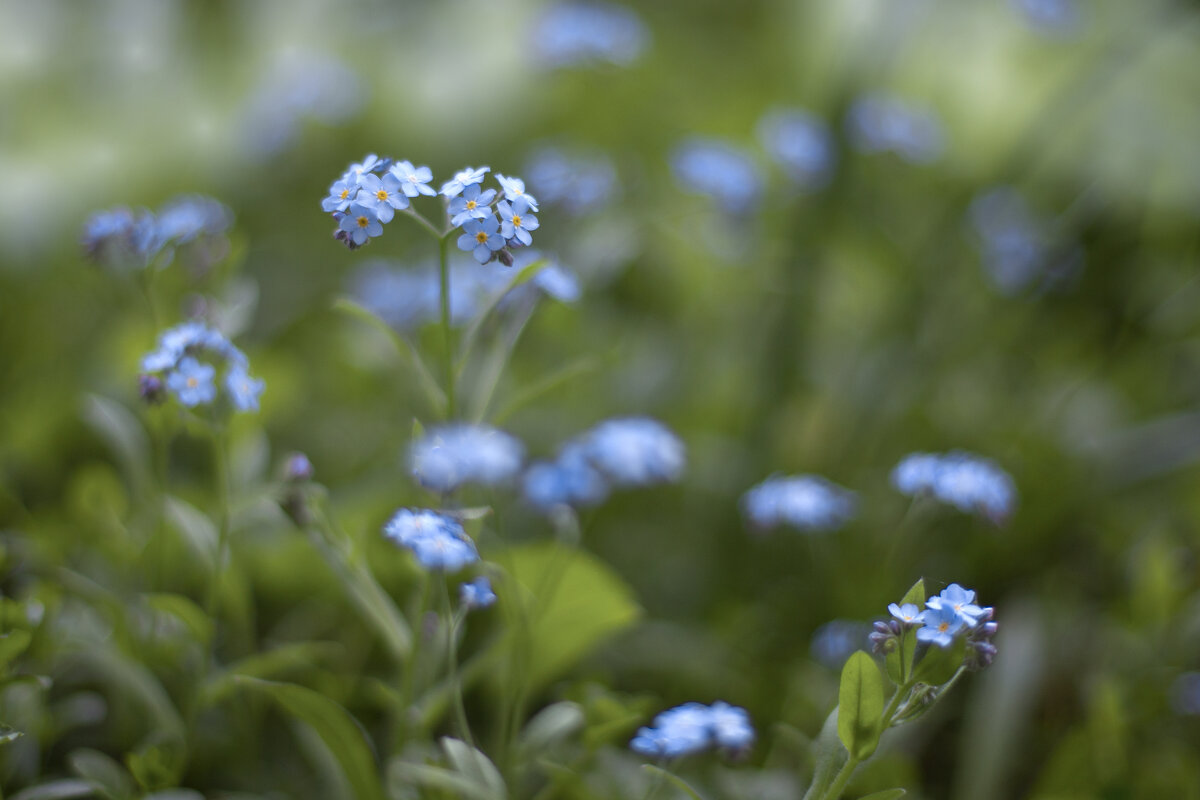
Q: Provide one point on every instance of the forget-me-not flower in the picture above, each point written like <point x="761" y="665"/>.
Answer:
<point x="364" y="167"/>
<point x="576" y="183"/>
<point x="189" y="216"/>
<point x="881" y="122"/>
<point x="341" y="194"/>
<point x="907" y="614"/>
<point x="569" y="480"/>
<point x="693" y="727"/>
<point x="481" y="237"/>
<point x="806" y="502"/>
<point x="960" y="479"/>
<point x="517" y="221"/>
<point x="186" y="361"/>
<point x="384" y="195"/>
<point x="413" y="180"/>
<point x="448" y="457"/>
<point x="800" y="143"/>
<point x="473" y="203"/>
<point x="940" y="625"/>
<point x="635" y="451"/>
<point x="244" y="389"/>
<point x="573" y="33"/>
<point x="192" y="382"/>
<point x="463" y="179"/>
<point x="360" y="224"/>
<point x="437" y="540"/>
<point x="959" y="600"/>
<point x="514" y="189"/>
<point x="720" y="170"/>
<point x="476" y="594"/>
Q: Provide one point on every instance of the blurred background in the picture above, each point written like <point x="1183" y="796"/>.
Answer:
<point x="811" y="237"/>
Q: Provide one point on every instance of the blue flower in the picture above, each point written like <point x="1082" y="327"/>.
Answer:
<point x="189" y="216"/>
<point x="462" y="180"/>
<point x="940" y="625"/>
<point x="801" y="144"/>
<point x="360" y="224"/>
<point x="514" y="189"/>
<point x="413" y="180"/>
<point x="1051" y="17"/>
<point x="192" y="382"/>
<point x="907" y="614"/>
<point x="244" y="389"/>
<point x="718" y="169"/>
<point x="806" y="502"/>
<point x="476" y="594"/>
<point x="965" y="481"/>
<point x="558" y="283"/>
<point x="517" y="221"/>
<point x="635" y="451"/>
<point x="437" y="540"/>
<point x="569" y="480"/>
<point x="577" y="183"/>
<point x="341" y="193"/>
<point x="880" y="122"/>
<point x="120" y="238"/>
<point x="448" y="457"/>
<point x="836" y="641"/>
<point x="693" y="727"/>
<point x="472" y="204"/>
<point x="356" y="171"/>
<point x="384" y="195"/>
<point x="916" y="473"/>
<point x="959" y="600"/>
<point x="574" y="33"/>
<point x="1018" y="248"/>
<point x="481" y="238"/>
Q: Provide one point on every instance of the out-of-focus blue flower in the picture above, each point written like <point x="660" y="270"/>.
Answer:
<point x="192" y="382"/>
<point x="185" y="218"/>
<point x="481" y="238"/>
<point x="125" y="239"/>
<point x="476" y="594"/>
<point x="959" y="600"/>
<point x="364" y="167"/>
<point x="635" y="451"/>
<point x="299" y="85"/>
<point x="577" y="183"/>
<point x="461" y="180"/>
<point x="693" y="727"/>
<point x="517" y="221"/>
<point x="437" y="540"/>
<point x="940" y="625"/>
<point x="514" y="189"/>
<point x="718" y="169"/>
<point x="806" y="502"/>
<point x="473" y="203"/>
<point x="408" y="297"/>
<point x="448" y="457"/>
<point x="801" y="143"/>
<point x="1052" y="17"/>
<point x="383" y="195"/>
<point x="573" y="33"/>
<point x="1185" y="694"/>
<point x="569" y="480"/>
<point x="341" y="193"/>
<point x="1018" y="248"/>
<point x="907" y="614"/>
<point x="297" y="467"/>
<point x="244" y="390"/>
<point x="879" y="122"/>
<point x="360" y="224"/>
<point x="558" y="283"/>
<point x="963" y="480"/>
<point x="836" y="640"/>
<point x="413" y="180"/>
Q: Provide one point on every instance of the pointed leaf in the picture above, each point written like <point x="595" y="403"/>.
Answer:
<point x="915" y="595"/>
<point x="939" y="664"/>
<point x="679" y="782"/>
<point x="828" y="757"/>
<point x="105" y="775"/>
<point x="123" y="433"/>
<point x="12" y="645"/>
<point x="454" y="784"/>
<point x="56" y="790"/>
<point x="475" y="766"/>
<point x="860" y="705"/>
<point x="550" y="726"/>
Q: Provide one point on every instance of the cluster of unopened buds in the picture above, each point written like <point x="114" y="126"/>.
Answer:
<point x="369" y="194"/>
<point x="947" y="617"/>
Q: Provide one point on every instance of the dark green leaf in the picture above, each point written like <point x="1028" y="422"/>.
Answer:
<point x="886" y="794"/>
<point x="106" y="776"/>
<point x="550" y="726"/>
<point x="915" y="595"/>
<point x="679" y="782"/>
<point x="12" y="645"/>
<point x="939" y="664"/>
<point x="474" y="765"/>
<point x="860" y="705"/>
<point x="56" y="790"/>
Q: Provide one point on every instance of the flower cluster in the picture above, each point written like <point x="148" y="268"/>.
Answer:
<point x="122" y="238"/>
<point x="450" y="456"/>
<point x="369" y="194"/>
<point x="578" y="183"/>
<point x="693" y="727"/>
<point x="806" y="502"/>
<point x="965" y="481"/>
<point x="880" y="123"/>
<point x="626" y="452"/>
<point x="437" y="540"/>
<point x="186" y="364"/>
<point x="945" y="618"/>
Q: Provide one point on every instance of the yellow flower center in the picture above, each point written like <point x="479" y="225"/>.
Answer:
<point x="192" y="383"/>
<point x="481" y="237"/>
<point x="943" y="627"/>
<point x="345" y="193"/>
<point x="471" y="205"/>
<point x="382" y="194"/>
<point x="363" y="222"/>
<point x="516" y="220"/>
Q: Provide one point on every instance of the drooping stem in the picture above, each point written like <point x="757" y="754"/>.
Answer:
<point x="447" y="331"/>
<point x="460" y="709"/>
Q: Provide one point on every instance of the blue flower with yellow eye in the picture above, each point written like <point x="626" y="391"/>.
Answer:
<point x="473" y="203"/>
<point x="413" y="180"/>
<point x="463" y="179"/>
<point x="384" y="195"/>
<point x="517" y="221"/>
<point x="514" y="190"/>
<point x="481" y="238"/>
<point x="192" y="382"/>
<point x="360" y="224"/>
<point x="341" y="194"/>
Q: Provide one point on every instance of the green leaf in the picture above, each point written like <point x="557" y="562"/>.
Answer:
<point x="106" y="776"/>
<point x="56" y="790"/>
<point x="899" y="661"/>
<point x="184" y="610"/>
<point x="679" y="782"/>
<point x="337" y="729"/>
<point x="403" y="774"/>
<point x="198" y="531"/>
<point x="582" y="602"/>
<point x="12" y="645"/>
<point x="526" y="273"/>
<point x="157" y="765"/>
<point x="123" y="433"/>
<point x="550" y="726"/>
<point x="828" y="756"/>
<point x="886" y="794"/>
<point x="134" y="678"/>
<point x="272" y="664"/>
<point x="939" y="664"/>
<point x="474" y="765"/>
<point x="915" y="595"/>
<point x="860" y="706"/>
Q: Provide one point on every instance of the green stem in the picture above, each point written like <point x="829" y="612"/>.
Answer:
<point x="221" y="470"/>
<point x="460" y="709"/>
<point x="843" y="778"/>
<point x="424" y="223"/>
<point x="447" y="331"/>
<point x="408" y="685"/>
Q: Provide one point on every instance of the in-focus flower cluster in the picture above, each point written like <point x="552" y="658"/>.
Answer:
<point x="945" y="618"/>
<point x="194" y="363"/>
<point x="625" y="452"/>
<point x="693" y="727"/>
<point x="369" y="193"/>
<point x="806" y="502"/>
<point x="438" y="541"/>
<point x="448" y="457"/>
<point x="965" y="481"/>
<point x="125" y="239"/>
